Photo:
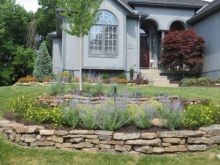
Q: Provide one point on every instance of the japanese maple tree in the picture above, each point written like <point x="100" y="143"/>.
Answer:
<point x="183" y="49"/>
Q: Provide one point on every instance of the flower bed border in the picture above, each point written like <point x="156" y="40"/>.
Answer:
<point x="110" y="141"/>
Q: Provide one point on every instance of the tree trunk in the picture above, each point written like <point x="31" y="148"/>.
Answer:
<point x="80" y="63"/>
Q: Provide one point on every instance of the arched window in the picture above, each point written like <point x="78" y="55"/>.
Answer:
<point x="103" y="35"/>
<point x="177" y="25"/>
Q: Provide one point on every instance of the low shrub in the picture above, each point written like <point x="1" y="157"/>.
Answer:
<point x="27" y="79"/>
<point x="71" y="117"/>
<point x="202" y="81"/>
<point x="57" y="89"/>
<point x="201" y="115"/>
<point x="45" y="115"/>
<point x="144" y="115"/>
<point x="88" y="117"/>
<point x="112" y="116"/>
<point x="119" y="80"/>
<point x="172" y="116"/>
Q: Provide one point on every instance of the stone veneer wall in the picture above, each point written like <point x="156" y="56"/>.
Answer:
<point x="95" y="140"/>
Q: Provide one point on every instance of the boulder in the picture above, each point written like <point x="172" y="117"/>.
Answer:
<point x="126" y="136"/>
<point x="156" y="122"/>
<point x="18" y="128"/>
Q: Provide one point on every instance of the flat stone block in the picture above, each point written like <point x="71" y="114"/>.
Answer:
<point x="126" y="136"/>
<point x="148" y="135"/>
<point x="81" y="132"/>
<point x="155" y="142"/>
<point x="197" y="147"/>
<point x="47" y="132"/>
<point x="179" y="148"/>
<point x="122" y="148"/>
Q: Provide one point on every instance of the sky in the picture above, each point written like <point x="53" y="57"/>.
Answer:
<point x="32" y="5"/>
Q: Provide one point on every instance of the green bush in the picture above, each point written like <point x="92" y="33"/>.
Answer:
<point x="45" y="115"/>
<point x="71" y="116"/>
<point x="88" y="118"/>
<point x="201" y="115"/>
<point x="144" y="116"/>
<point x="173" y="117"/>
<point x="202" y="81"/>
<point x="110" y="116"/>
<point x="57" y="88"/>
<point x="21" y="104"/>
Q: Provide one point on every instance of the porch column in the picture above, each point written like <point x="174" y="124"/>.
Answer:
<point x="161" y="46"/>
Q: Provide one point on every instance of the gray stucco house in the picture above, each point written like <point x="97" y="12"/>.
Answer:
<point x="129" y="34"/>
<point x="207" y="24"/>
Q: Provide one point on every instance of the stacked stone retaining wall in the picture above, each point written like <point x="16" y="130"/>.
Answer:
<point x="110" y="141"/>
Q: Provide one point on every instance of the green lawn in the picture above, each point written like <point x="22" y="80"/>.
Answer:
<point x="8" y="93"/>
<point x="11" y="154"/>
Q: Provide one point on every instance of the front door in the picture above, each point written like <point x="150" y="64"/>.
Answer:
<point x="144" y="52"/>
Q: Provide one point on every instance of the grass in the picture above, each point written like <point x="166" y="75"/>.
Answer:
<point x="8" y="93"/>
<point x="11" y="154"/>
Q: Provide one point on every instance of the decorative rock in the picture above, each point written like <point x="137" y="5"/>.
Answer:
<point x="122" y="148"/>
<point x="148" y="135"/>
<point x="158" y="122"/>
<point x="155" y="142"/>
<point x="34" y="129"/>
<point x="197" y="147"/>
<point x="201" y="140"/>
<point x="171" y="134"/>
<point x="215" y="139"/>
<point x="127" y="136"/>
<point x="42" y="144"/>
<point x="158" y="150"/>
<point x="179" y="148"/>
<point x="61" y="133"/>
<point x="76" y="140"/>
<point x="104" y="146"/>
<point x="47" y="132"/>
<point x="63" y="145"/>
<point x="3" y="123"/>
<point x="83" y="145"/>
<point x="81" y="132"/>
<point x="113" y="142"/>
<point x="174" y="140"/>
<point x="28" y="138"/>
<point x="144" y="149"/>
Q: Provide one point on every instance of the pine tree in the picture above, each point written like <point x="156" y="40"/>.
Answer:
<point x="43" y="63"/>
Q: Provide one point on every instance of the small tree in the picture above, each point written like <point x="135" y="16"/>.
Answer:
<point x="182" y="49"/>
<point x="43" y="63"/>
<point x="81" y="16"/>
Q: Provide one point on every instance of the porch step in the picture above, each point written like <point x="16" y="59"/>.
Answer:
<point x="156" y="78"/>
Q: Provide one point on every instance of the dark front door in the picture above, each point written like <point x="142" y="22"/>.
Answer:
<point x="144" y="52"/>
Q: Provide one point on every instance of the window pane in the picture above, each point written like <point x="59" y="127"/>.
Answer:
<point x="110" y="39"/>
<point x="106" y="18"/>
<point x="95" y="41"/>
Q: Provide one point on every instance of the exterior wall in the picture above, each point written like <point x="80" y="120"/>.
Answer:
<point x="132" y="45"/>
<point x="166" y="16"/>
<point x="209" y="29"/>
<point x="114" y="63"/>
<point x="57" y="55"/>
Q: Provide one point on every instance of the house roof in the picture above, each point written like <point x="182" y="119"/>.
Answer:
<point x="206" y="11"/>
<point x="195" y="4"/>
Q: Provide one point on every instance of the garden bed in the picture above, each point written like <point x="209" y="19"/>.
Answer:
<point x="157" y="142"/>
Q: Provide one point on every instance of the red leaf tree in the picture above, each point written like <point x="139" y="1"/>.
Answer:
<point x="183" y="49"/>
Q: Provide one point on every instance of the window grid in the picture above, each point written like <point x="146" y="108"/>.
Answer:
<point x="103" y="36"/>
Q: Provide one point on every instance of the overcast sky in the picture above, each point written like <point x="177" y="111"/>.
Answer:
<point x="32" y="5"/>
